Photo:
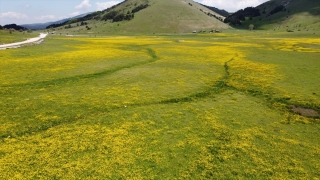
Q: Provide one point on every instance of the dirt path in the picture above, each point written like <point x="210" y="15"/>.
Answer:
<point x="18" y="44"/>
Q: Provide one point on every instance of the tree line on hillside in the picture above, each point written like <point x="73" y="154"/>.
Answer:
<point x="139" y="8"/>
<point x="212" y="15"/>
<point x="250" y="12"/>
<point x="108" y="14"/>
<point x="56" y="25"/>
<point x="15" y="27"/>
<point x="116" y="16"/>
<point x="67" y="25"/>
<point x="276" y="10"/>
<point x="237" y="17"/>
<point x="222" y="12"/>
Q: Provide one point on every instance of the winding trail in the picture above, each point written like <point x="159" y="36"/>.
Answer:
<point x="18" y="44"/>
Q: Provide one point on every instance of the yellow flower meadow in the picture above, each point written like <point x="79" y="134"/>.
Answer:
<point x="167" y="107"/>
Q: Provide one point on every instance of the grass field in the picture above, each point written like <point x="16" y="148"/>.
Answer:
<point x="161" y="107"/>
<point x="6" y="37"/>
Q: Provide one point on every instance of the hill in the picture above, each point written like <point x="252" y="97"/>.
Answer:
<point x="286" y="15"/>
<point x="148" y="16"/>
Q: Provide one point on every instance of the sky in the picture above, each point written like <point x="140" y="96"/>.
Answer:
<point x="41" y="11"/>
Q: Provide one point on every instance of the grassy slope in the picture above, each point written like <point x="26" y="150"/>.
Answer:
<point x="158" y="107"/>
<point x="299" y="12"/>
<point x="165" y="16"/>
<point x="172" y="16"/>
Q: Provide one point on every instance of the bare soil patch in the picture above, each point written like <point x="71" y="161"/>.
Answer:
<point x="307" y="112"/>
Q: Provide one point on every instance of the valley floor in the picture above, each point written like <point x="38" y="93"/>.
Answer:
<point x="216" y="106"/>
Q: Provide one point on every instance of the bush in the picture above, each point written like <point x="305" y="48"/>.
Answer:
<point x="83" y="23"/>
<point x="251" y="27"/>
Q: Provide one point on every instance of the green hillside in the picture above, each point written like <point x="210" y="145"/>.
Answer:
<point x="155" y="16"/>
<point x="172" y="16"/>
<point x="296" y="15"/>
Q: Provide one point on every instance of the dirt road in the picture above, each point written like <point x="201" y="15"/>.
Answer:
<point x="18" y="44"/>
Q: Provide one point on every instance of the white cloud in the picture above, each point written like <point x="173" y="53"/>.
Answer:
<point x="63" y="17"/>
<point x="75" y="13"/>
<point x="231" y="5"/>
<point x="13" y="15"/>
<point x="27" y="6"/>
<point x="46" y="17"/>
<point x="84" y="5"/>
<point x="104" y="5"/>
<point x="69" y="15"/>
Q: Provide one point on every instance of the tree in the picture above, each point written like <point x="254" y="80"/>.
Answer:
<point x="83" y="23"/>
<point x="110" y="15"/>
<point x="237" y="17"/>
<point x="139" y="8"/>
<point x="277" y="9"/>
<point x="1" y="27"/>
<point x="118" y="18"/>
<point x="251" y="27"/>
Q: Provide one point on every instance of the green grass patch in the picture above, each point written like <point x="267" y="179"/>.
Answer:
<point x="6" y="37"/>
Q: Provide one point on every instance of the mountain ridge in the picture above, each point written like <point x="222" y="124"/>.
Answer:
<point x="38" y="26"/>
<point x="281" y="15"/>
